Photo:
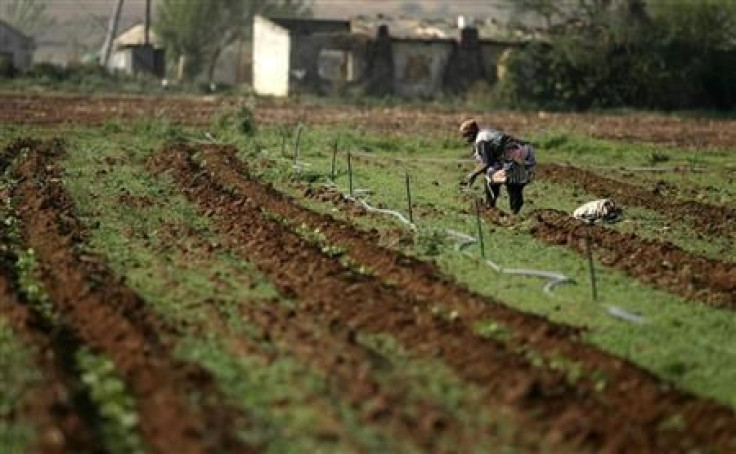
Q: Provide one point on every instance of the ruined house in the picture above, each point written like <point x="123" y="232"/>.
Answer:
<point x="132" y="53"/>
<point x="16" y="49"/>
<point x="378" y="58"/>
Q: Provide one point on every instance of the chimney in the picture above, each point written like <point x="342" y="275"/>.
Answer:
<point x="460" y="22"/>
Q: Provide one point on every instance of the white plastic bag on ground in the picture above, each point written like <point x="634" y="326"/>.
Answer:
<point x="603" y="210"/>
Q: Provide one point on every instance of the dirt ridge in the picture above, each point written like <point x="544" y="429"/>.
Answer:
<point x="660" y="264"/>
<point x="54" y="405"/>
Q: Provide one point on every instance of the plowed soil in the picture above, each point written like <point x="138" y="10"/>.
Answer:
<point x="705" y="218"/>
<point x="110" y="318"/>
<point x="95" y="110"/>
<point x="331" y="346"/>
<point x="630" y="413"/>
<point x="52" y="404"/>
<point x="661" y="264"/>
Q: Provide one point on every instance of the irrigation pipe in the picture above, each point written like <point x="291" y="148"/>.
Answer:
<point x="372" y="209"/>
<point x="554" y="279"/>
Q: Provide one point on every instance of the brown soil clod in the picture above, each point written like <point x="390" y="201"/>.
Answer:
<point x="398" y="299"/>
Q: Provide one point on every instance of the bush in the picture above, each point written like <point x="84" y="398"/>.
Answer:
<point x="667" y="58"/>
<point x="239" y="120"/>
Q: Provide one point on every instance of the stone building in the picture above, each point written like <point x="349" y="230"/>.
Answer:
<point x="132" y="55"/>
<point x="332" y="57"/>
<point x="16" y="49"/>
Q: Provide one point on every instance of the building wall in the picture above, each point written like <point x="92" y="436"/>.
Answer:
<point x="325" y="63"/>
<point x="419" y="67"/>
<point x="493" y="55"/>
<point x="271" y="58"/>
<point x="121" y="61"/>
<point x="20" y="46"/>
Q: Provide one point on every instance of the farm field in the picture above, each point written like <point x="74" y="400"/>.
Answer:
<point x="189" y="275"/>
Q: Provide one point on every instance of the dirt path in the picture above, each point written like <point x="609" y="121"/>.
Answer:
<point x="198" y="111"/>
<point x="708" y="219"/>
<point x="629" y="412"/>
<point x="110" y="318"/>
<point x="662" y="265"/>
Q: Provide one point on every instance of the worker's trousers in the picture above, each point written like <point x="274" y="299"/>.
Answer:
<point x="516" y="195"/>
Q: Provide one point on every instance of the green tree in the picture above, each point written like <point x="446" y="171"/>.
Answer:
<point x="655" y="53"/>
<point x="28" y="16"/>
<point x="195" y="32"/>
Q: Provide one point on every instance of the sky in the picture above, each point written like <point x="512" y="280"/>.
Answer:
<point x="83" y="22"/>
<point x="322" y="8"/>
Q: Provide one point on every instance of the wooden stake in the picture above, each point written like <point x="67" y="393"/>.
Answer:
<point x="408" y="198"/>
<point x="334" y="158"/>
<point x="283" y="142"/>
<point x="591" y="266"/>
<point x="350" y="174"/>
<point x="297" y="143"/>
<point x="480" y="229"/>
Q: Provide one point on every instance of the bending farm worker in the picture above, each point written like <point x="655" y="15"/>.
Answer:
<point x="503" y="160"/>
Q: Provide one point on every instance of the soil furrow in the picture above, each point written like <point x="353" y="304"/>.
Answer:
<point x="662" y="265"/>
<point x="705" y="218"/>
<point x="631" y="412"/>
<point x="111" y="318"/>
<point x="62" y="414"/>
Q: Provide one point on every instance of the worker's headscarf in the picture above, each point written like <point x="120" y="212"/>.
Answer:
<point x="469" y="129"/>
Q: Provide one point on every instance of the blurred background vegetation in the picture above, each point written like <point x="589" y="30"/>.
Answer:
<point x="663" y="54"/>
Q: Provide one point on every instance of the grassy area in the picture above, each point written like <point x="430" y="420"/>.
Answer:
<point x="714" y="184"/>
<point x="682" y="341"/>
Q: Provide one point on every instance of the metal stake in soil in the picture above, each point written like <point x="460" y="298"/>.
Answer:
<point x="589" y="250"/>
<point x="480" y="229"/>
<point x="350" y="174"/>
<point x="408" y="198"/>
<point x="334" y="158"/>
<point x="297" y="142"/>
<point x="283" y="142"/>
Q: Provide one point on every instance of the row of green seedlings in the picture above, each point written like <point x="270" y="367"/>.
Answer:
<point x="575" y="371"/>
<point x="102" y="393"/>
<point x="318" y="239"/>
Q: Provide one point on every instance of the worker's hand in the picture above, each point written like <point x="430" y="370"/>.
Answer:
<point x="499" y="177"/>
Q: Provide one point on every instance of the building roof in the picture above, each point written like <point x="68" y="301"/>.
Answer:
<point x="437" y="29"/>
<point x="135" y="36"/>
<point x="308" y="25"/>
<point x="16" y="32"/>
